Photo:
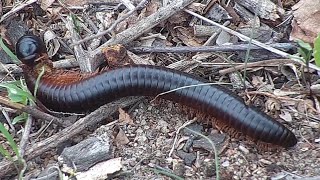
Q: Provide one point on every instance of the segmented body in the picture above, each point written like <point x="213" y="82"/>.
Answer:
<point x="89" y="93"/>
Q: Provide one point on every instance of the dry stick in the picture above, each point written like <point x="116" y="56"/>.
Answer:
<point x="8" y="73"/>
<point x="80" y="54"/>
<point x="245" y="38"/>
<point x="67" y="133"/>
<point x="61" y="64"/>
<point x="112" y="26"/>
<point x="139" y="28"/>
<point x="256" y="64"/>
<point x="31" y="110"/>
<point x="6" y="115"/>
<point x="177" y="133"/>
<point x="23" y="143"/>
<point x="128" y="4"/>
<point x="317" y="104"/>
<point x="25" y="136"/>
<point x="72" y="62"/>
<point x="1" y="10"/>
<point x="222" y="48"/>
<point x="93" y="26"/>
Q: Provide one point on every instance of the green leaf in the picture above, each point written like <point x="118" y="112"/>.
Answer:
<point x="9" y="138"/>
<point x="76" y="22"/>
<point x="304" y="45"/>
<point x="316" y="50"/>
<point x="17" y="98"/>
<point x="305" y="50"/>
<point x="5" y="153"/>
<point x="14" y="91"/>
<point x="302" y="53"/>
<point x="21" y="118"/>
<point x="9" y="52"/>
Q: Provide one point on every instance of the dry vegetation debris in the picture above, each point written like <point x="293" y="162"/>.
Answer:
<point x="150" y="138"/>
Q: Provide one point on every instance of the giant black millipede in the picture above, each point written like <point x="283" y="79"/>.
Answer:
<point x="65" y="91"/>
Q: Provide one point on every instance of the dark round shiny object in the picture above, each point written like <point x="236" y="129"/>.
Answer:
<point x="29" y="48"/>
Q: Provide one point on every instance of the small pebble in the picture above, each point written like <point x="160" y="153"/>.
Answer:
<point x="314" y="124"/>
<point x="243" y="149"/>
<point x="225" y="164"/>
<point x="265" y="161"/>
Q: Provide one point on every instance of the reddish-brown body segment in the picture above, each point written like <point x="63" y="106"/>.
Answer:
<point x="83" y="93"/>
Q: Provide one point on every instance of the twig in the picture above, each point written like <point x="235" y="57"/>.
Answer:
<point x="309" y="178"/>
<point x="177" y="132"/>
<point x="128" y="4"/>
<point x="16" y="9"/>
<point x="216" y="157"/>
<point x="67" y="133"/>
<point x="6" y="70"/>
<point x="215" y="34"/>
<point x="1" y="10"/>
<point x="222" y="48"/>
<point x="256" y="64"/>
<point x="23" y="144"/>
<point x="139" y="28"/>
<point x="94" y="27"/>
<point x="245" y="38"/>
<point x="317" y="104"/>
<point x="66" y="63"/>
<point x="80" y="54"/>
<point x="141" y="4"/>
<point x="5" y="114"/>
<point x="25" y="136"/>
<point x="31" y="110"/>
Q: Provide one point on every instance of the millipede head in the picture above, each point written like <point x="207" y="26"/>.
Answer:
<point x="29" y="48"/>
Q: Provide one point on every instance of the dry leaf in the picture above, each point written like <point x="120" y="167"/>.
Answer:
<point x="101" y="170"/>
<point x="257" y="81"/>
<point x="178" y="18"/>
<point x="285" y="115"/>
<point x="273" y="104"/>
<point x="187" y="37"/>
<point x="76" y="2"/>
<point x="106" y="19"/>
<point x="45" y="4"/>
<point x="197" y="7"/>
<point x="223" y="38"/>
<point x="304" y="106"/>
<point x="315" y="88"/>
<point x="290" y="71"/>
<point x="314" y="125"/>
<point x="121" y="138"/>
<point x="51" y="42"/>
<point x="127" y="22"/>
<point x="151" y="8"/>
<point x="305" y="25"/>
<point x="265" y="9"/>
<point x="124" y="118"/>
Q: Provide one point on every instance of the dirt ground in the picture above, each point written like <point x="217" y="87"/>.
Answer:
<point x="152" y="136"/>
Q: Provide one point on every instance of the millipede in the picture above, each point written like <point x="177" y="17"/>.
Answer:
<point x="70" y="91"/>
